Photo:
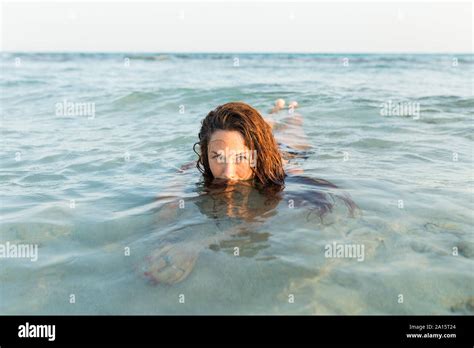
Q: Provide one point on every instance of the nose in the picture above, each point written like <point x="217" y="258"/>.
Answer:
<point x="229" y="171"/>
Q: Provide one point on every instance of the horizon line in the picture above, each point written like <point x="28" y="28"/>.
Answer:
<point x="234" y="52"/>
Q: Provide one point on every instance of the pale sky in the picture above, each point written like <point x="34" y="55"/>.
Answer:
<point x="240" y="26"/>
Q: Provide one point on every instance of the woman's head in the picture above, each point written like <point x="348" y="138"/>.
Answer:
<point x="237" y="144"/>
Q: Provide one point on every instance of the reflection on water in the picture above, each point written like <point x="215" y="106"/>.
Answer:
<point x="238" y="210"/>
<point x="104" y="202"/>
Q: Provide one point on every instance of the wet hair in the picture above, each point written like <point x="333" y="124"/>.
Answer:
<point x="269" y="175"/>
<point x="258" y="136"/>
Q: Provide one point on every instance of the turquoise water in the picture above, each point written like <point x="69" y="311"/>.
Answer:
<point x="87" y="188"/>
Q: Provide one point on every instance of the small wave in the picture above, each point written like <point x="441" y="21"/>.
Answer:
<point x="42" y="177"/>
<point x="151" y="57"/>
<point x="465" y="133"/>
<point x="440" y="119"/>
<point x="374" y="143"/>
<point x="136" y="97"/>
<point x="417" y="157"/>
<point x="447" y="101"/>
<point x="23" y="83"/>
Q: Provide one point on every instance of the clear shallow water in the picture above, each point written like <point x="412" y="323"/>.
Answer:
<point x="119" y="165"/>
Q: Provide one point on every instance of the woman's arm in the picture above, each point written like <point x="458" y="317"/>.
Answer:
<point x="173" y="262"/>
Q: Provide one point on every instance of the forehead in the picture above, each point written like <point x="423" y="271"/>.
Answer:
<point x="231" y="139"/>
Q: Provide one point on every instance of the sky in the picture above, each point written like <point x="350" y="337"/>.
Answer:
<point x="239" y="26"/>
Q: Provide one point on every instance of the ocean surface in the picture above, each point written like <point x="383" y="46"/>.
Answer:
<point x="92" y="144"/>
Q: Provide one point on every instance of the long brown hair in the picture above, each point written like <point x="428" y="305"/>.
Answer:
<point x="257" y="134"/>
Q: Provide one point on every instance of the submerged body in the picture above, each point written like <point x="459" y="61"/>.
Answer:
<point x="230" y="193"/>
<point x="238" y="210"/>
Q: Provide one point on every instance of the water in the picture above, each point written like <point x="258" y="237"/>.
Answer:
<point x="89" y="188"/>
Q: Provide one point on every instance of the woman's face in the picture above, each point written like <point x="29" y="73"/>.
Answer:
<point x="229" y="157"/>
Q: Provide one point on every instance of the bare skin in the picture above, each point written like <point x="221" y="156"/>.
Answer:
<point x="172" y="263"/>
<point x="280" y="105"/>
<point x="229" y="157"/>
<point x="229" y="160"/>
<point x="289" y="129"/>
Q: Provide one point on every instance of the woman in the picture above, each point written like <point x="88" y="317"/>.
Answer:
<point x="244" y="171"/>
